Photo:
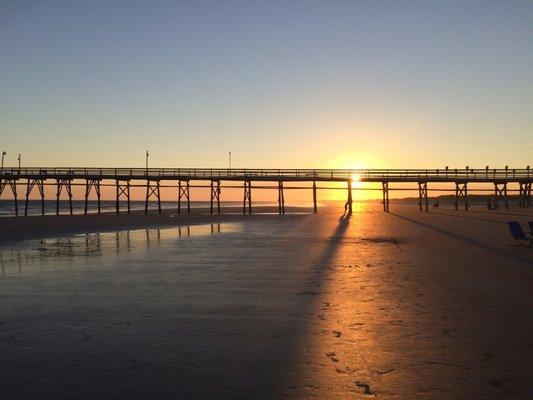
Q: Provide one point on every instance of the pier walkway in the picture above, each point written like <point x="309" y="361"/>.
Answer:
<point x="121" y="178"/>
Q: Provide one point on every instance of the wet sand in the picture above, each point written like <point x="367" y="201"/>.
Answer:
<point x="402" y="305"/>
<point x="20" y="228"/>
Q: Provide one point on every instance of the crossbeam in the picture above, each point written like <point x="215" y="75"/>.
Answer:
<point x="423" y="201"/>
<point x="30" y="184"/>
<point x="12" y="184"/>
<point x="184" y="192"/>
<point x="500" y="193"/>
<point x="524" y="197"/>
<point x="215" y="195"/>
<point x="152" y="190"/>
<point x="122" y="191"/>
<point x="89" y="185"/>
<point x="64" y="183"/>
<point x="461" y="195"/>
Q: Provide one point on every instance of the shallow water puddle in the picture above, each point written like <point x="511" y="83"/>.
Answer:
<point x="83" y="245"/>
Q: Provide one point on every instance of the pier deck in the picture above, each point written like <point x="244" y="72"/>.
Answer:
<point x="30" y="177"/>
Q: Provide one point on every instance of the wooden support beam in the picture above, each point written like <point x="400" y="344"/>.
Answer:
<point x="315" y="209"/>
<point x="349" y="203"/>
<point x="386" y="201"/>
<point x="247" y="197"/>
<point x="122" y="191"/>
<point x="500" y="192"/>
<point x="89" y="185"/>
<point x="30" y="184"/>
<point x="212" y="198"/>
<point x="461" y="194"/>
<point x="215" y="195"/>
<point x="67" y="184"/>
<point x="524" y="197"/>
<point x="152" y="190"/>
<point x="423" y="201"/>
<point x="281" y="198"/>
<point x="12" y="184"/>
<point x="184" y="192"/>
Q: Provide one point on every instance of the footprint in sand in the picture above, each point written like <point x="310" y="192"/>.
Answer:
<point x="331" y="355"/>
<point x="337" y="334"/>
<point x="365" y="388"/>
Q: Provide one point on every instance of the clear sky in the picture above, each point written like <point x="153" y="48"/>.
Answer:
<point x="279" y="84"/>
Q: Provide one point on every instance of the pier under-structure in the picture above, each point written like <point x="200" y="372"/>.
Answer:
<point x="247" y="179"/>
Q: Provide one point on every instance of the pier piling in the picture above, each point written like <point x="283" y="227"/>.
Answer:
<point x="314" y="198"/>
<point x="153" y="190"/>
<point x="503" y="180"/>
<point x="122" y="191"/>
<point x="500" y="193"/>
<point x="12" y="184"/>
<point x="281" y="198"/>
<point x="30" y="184"/>
<point x="184" y="192"/>
<point x="67" y="184"/>
<point x="524" y="197"/>
<point x="461" y="194"/>
<point x="247" y="197"/>
<point x="215" y="195"/>
<point x="423" y="201"/>
<point x="89" y="185"/>
<point x="386" y="201"/>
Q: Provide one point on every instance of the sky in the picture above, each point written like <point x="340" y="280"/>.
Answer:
<point x="280" y="84"/>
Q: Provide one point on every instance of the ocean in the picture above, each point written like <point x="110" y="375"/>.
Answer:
<point x="7" y="207"/>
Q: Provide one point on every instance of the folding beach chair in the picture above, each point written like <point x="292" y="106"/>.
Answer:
<point x="518" y="233"/>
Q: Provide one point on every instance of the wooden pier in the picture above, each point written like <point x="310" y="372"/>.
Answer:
<point x="180" y="178"/>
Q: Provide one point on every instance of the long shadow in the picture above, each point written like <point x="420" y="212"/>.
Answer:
<point x="306" y="303"/>
<point x="467" y="217"/>
<point x="467" y="239"/>
<point x="507" y="212"/>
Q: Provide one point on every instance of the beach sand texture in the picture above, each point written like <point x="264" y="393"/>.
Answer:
<point x="402" y="305"/>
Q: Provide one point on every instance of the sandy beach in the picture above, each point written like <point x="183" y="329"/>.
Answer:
<point x="402" y="305"/>
<point x="18" y="228"/>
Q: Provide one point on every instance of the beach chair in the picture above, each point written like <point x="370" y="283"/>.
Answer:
<point x="518" y="233"/>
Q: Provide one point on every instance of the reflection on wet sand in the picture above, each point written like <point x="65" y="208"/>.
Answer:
<point x="99" y="244"/>
<point x="375" y="306"/>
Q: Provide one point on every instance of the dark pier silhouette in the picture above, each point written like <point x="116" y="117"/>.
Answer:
<point x="180" y="178"/>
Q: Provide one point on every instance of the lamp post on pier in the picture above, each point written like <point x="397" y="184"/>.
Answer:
<point x="229" y="156"/>
<point x="147" y="155"/>
<point x="3" y="155"/>
<point x="20" y="160"/>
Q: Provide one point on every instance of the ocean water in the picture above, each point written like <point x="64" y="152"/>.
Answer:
<point x="7" y="207"/>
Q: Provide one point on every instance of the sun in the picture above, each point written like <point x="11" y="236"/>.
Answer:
<point x="356" y="178"/>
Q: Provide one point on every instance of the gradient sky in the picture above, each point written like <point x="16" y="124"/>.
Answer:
<point x="279" y="84"/>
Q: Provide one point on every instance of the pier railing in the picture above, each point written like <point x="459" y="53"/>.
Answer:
<point x="95" y="178"/>
<point x="364" y="175"/>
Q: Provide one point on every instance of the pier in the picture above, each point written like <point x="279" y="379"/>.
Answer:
<point x="26" y="180"/>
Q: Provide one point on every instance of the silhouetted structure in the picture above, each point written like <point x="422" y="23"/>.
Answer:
<point x="122" y="177"/>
